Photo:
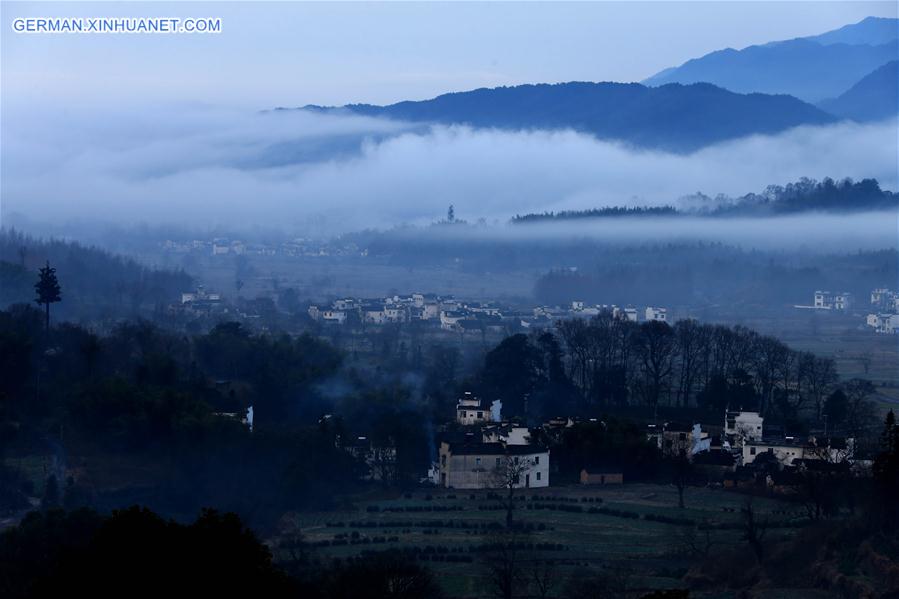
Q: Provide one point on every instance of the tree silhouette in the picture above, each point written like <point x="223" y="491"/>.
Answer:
<point x="507" y="475"/>
<point x="51" y="493"/>
<point x="48" y="291"/>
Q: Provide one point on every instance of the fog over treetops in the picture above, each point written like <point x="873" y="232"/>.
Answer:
<point x="327" y="173"/>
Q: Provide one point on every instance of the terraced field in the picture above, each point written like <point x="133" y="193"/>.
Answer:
<point x="635" y="529"/>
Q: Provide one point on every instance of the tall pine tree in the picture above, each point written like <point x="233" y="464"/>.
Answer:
<point x="48" y="291"/>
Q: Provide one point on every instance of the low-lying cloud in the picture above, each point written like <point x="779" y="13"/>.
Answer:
<point x="328" y="173"/>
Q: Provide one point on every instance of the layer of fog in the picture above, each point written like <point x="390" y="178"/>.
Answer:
<point x="810" y="232"/>
<point x="315" y="173"/>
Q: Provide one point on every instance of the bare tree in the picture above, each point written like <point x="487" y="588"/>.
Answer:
<point x="754" y="529"/>
<point x="655" y="346"/>
<point x="860" y="411"/>
<point x="818" y="376"/>
<point x="503" y="560"/>
<point x="507" y="475"/>
<point x="691" y="341"/>
<point x="770" y="355"/>
<point x="681" y="475"/>
<point x="694" y="541"/>
<point x="544" y="576"/>
<point x="864" y="359"/>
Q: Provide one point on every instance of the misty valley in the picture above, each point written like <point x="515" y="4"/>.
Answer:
<point x="482" y="300"/>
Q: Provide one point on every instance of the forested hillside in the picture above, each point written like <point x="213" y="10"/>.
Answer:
<point x="95" y="283"/>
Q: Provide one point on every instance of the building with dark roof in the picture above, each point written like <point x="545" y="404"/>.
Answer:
<point x="476" y="465"/>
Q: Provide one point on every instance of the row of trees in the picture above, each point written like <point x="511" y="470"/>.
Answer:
<point x="607" y="362"/>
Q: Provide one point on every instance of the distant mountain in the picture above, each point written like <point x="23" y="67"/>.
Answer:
<point x="673" y="117"/>
<point x="873" y="98"/>
<point x="871" y="31"/>
<point x="813" y="68"/>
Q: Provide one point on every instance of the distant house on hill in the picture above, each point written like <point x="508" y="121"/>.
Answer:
<point x="741" y="427"/>
<point x="472" y="410"/>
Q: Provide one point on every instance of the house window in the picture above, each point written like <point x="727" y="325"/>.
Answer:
<point x="536" y="459"/>
<point x="516" y="459"/>
<point x="477" y="461"/>
<point x="497" y="462"/>
<point x="480" y="414"/>
<point x="538" y="476"/>
<point x="752" y="451"/>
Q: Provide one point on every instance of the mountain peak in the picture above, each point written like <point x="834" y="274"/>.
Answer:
<point x="810" y="68"/>
<point x="674" y="117"/>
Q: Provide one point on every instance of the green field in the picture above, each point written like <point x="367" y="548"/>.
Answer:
<point x="651" y="553"/>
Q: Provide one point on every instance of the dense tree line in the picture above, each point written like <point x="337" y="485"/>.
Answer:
<point x="606" y="212"/>
<point x="170" y="407"/>
<point x="608" y="363"/>
<point x="807" y="195"/>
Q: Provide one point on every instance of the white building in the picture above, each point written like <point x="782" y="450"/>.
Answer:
<point x="449" y="319"/>
<point x="885" y="299"/>
<point x="394" y="313"/>
<point x="658" y="314"/>
<point x="200" y="295"/>
<point x="825" y="300"/>
<point x="788" y="450"/>
<point x="471" y="410"/>
<point x="374" y="315"/>
<point x="884" y="323"/>
<point x="334" y="316"/>
<point x="508" y="434"/>
<point x="345" y="304"/>
<point x="492" y="466"/>
<point x="741" y="427"/>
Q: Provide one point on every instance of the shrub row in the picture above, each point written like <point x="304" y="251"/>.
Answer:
<point x="356" y="541"/>
<point x="415" y="508"/>
<point x="613" y="512"/>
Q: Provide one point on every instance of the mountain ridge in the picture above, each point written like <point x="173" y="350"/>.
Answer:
<point x="873" y="97"/>
<point x="801" y="68"/>
<point x="672" y="117"/>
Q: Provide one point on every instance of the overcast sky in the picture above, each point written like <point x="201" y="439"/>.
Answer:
<point x="293" y="54"/>
<point x="168" y="128"/>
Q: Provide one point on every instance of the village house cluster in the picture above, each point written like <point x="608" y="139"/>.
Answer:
<point x="298" y="247"/>
<point x="489" y="452"/>
<point x="744" y="453"/>
<point x="482" y="450"/>
<point x="826" y="300"/>
<point x="885" y="318"/>
<point x="451" y="314"/>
